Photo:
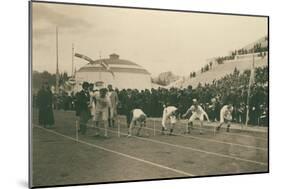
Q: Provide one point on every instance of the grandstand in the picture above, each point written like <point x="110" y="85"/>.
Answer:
<point x="239" y="61"/>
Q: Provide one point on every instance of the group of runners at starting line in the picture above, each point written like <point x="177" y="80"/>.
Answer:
<point x="103" y="103"/>
<point x="170" y="115"/>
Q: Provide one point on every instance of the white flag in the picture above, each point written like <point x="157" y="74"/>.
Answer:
<point x="252" y="76"/>
<point x="84" y="57"/>
<point x="251" y="82"/>
<point x="106" y="66"/>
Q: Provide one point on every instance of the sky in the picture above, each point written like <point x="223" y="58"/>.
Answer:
<point x="159" y="41"/>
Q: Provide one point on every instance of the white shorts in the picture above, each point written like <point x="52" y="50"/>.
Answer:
<point x="93" y="109"/>
<point x="196" y="116"/>
<point x="112" y="112"/>
<point x="173" y="119"/>
<point x="101" y="115"/>
<point x="224" y="119"/>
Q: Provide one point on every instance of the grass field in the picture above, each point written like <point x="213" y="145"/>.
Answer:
<point x="59" y="159"/>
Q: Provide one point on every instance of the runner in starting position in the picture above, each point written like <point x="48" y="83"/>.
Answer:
<point x="169" y="113"/>
<point x="197" y="113"/>
<point x="138" y="116"/>
<point x="225" y="116"/>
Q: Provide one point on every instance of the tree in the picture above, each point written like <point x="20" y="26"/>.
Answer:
<point x="211" y="64"/>
<point x="236" y="71"/>
<point x="39" y="78"/>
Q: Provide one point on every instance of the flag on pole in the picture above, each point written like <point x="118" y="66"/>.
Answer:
<point x="101" y="62"/>
<point x="78" y="55"/>
<point x="106" y="66"/>
<point x="252" y="76"/>
<point x="57" y="57"/>
<point x="251" y="82"/>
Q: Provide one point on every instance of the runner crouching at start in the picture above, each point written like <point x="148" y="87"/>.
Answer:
<point x="169" y="113"/>
<point x="197" y="113"/>
<point x="225" y="116"/>
<point x="138" y="116"/>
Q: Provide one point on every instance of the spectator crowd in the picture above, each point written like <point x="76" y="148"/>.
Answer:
<point x="233" y="88"/>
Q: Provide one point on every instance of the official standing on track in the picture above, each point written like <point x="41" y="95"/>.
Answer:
<point x="83" y="107"/>
<point x="129" y="105"/>
<point x="45" y="103"/>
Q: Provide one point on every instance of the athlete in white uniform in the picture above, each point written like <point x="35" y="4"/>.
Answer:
<point x="169" y="113"/>
<point x="197" y="113"/>
<point x="138" y="117"/>
<point x="225" y="116"/>
<point x="101" y="110"/>
<point x="93" y="94"/>
<point x="113" y="96"/>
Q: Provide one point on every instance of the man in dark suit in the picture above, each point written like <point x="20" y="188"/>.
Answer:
<point x="83" y="107"/>
<point x="129" y="106"/>
<point x="45" y="103"/>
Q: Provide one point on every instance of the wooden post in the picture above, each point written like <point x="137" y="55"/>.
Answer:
<point x="154" y="130"/>
<point x="118" y="127"/>
<point x="76" y="130"/>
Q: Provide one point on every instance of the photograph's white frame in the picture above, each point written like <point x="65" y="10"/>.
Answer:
<point x="18" y="157"/>
<point x="129" y="7"/>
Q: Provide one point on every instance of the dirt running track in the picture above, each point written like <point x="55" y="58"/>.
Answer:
<point x="59" y="159"/>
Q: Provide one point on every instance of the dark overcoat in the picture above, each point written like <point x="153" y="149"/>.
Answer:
<point x="45" y="103"/>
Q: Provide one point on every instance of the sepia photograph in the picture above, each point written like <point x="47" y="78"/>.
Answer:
<point x="122" y="94"/>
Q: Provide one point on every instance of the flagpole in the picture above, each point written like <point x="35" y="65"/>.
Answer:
<point x="249" y="90"/>
<point x="57" y="61"/>
<point x="101" y="67"/>
<point x="72" y="73"/>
